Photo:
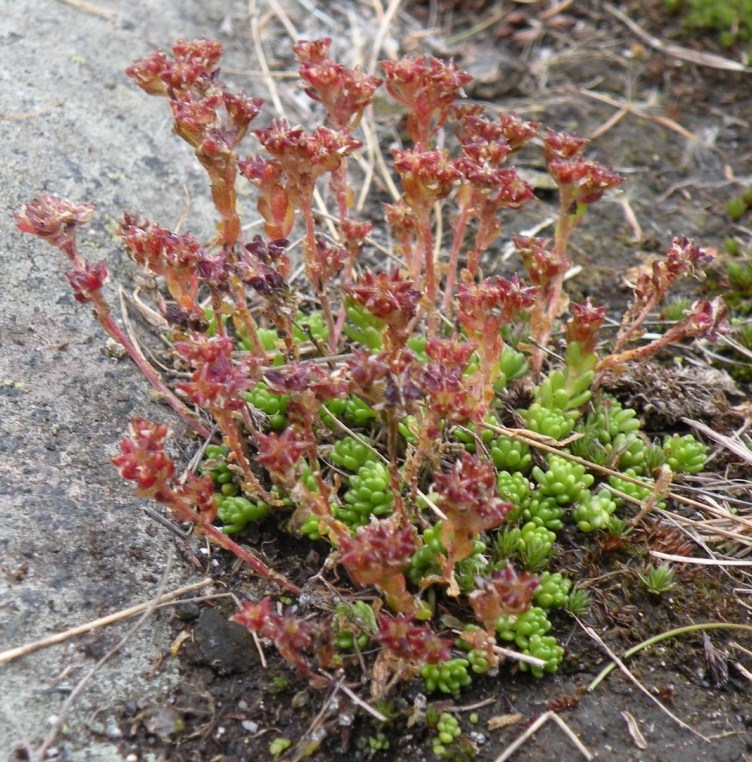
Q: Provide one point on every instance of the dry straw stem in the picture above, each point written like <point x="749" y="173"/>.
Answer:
<point x="534" y="440"/>
<point x="535" y="727"/>
<point x="118" y="616"/>
<point x="652" y="641"/>
<point x="31" y="114"/>
<point x="685" y="54"/>
<point x="732" y="562"/>
<point x="619" y="663"/>
<point x="105" y="13"/>
<point x="41" y="752"/>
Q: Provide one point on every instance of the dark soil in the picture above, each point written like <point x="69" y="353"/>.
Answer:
<point x="229" y="704"/>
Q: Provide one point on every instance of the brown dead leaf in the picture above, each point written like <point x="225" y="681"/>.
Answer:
<point x="634" y="731"/>
<point x="503" y="721"/>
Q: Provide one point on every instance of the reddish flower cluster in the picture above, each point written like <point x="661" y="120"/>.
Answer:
<point x="175" y="257"/>
<point x="218" y="382"/>
<point x="143" y="460"/>
<point x="304" y="157"/>
<point x="415" y="644"/>
<point x="542" y="265"/>
<point x="194" y="66"/>
<point x="210" y="119"/>
<point x="495" y="302"/>
<point x="378" y="555"/>
<point x="451" y="353"/>
<point x="55" y="219"/>
<point x="427" y="176"/>
<point x="584" y="324"/>
<point x="344" y="92"/>
<point x="449" y="397"/>
<point x="580" y="181"/>
<point x="484" y="309"/>
<point x="291" y="635"/>
<point x="279" y="454"/>
<point x="387" y="296"/>
<point x="468" y="498"/>
<point x="505" y="593"/>
<point x="87" y="281"/>
<point x="427" y="87"/>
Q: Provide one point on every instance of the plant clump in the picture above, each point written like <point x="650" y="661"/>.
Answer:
<point x="382" y="423"/>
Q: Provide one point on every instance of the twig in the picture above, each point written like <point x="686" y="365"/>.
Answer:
<point x="378" y="40"/>
<point x="736" y="447"/>
<point x="657" y="639"/>
<point x="699" y="561"/>
<point x="517" y="656"/>
<point x="82" y="5"/>
<point x="633" y="109"/>
<point x="263" y="64"/>
<point x="78" y="690"/>
<point x="15" y="653"/>
<point x="535" y="727"/>
<point x="31" y="114"/>
<point x="618" y="662"/>
<point x="685" y="54"/>
<point x="363" y="704"/>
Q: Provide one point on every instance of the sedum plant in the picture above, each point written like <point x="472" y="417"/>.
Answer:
<point x="379" y="423"/>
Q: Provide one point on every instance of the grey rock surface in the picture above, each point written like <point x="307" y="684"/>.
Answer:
<point x="74" y="542"/>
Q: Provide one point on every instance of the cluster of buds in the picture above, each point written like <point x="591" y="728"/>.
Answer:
<point x="210" y="119"/>
<point x="468" y="498"/>
<point x="391" y="299"/>
<point x="427" y="88"/>
<point x="292" y="635"/>
<point x="279" y="454"/>
<point x="485" y="186"/>
<point x="504" y="593"/>
<point x="309" y="386"/>
<point x="484" y="309"/>
<point x="581" y="335"/>
<point x="378" y="555"/>
<point x="176" y="258"/>
<point x="343" y="92"/>
<point x="218" y="381"/>
<point x="414" y="644"/>
<point x="580" y="181"/>
<point x="299" y="158"/>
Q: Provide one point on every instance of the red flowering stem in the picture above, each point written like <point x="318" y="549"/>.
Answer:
<point x="485" y="227"/>
<point x="246" y="555"/>
<point x="338" y="185"/>
<point x="564" y="226"/>
<point x="638" y="353"/>
<point x="310" y="255"/>
<point x="425" y="235"/>
<point x="113" y="330"/>
<point x="251" y="485"/>
<point x="625" y="335"/>
<point x="460" y="226"/>
<point x="243" y="315"/>
<point x="224" y="197"/>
